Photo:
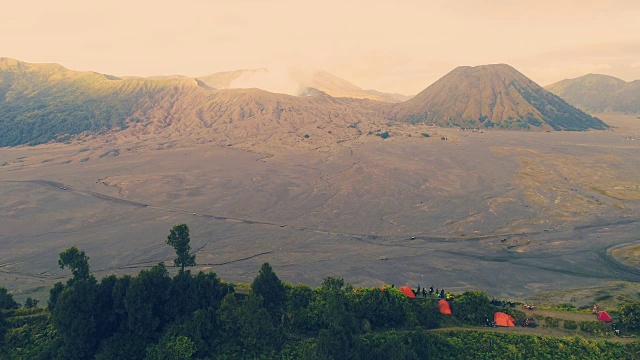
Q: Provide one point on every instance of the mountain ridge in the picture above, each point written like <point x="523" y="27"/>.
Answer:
<point x="597" y="93"/>
<point x="48" y="102"/>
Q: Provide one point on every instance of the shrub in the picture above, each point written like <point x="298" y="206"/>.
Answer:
<point x="595" y="327"/>
<point x="425" y="135"/>
<point x="473" y="307"/>
<point x="425" y="313"/>
<point x="551" y="322"/>
<point x="566" y="306"/>
<point x="382" y="308"/>
<point x="570" y="324"/>
<point x="630" y="316"/>
<point x="384" y="135"/>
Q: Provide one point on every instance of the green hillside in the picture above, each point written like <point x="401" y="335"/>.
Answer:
<point x="44" y="102"/>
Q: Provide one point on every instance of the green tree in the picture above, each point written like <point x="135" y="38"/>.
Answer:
<point x="73" y="317"/>
<point x="178" y="348"/>
<point x="338" y="338"/>
<point x="6" y="300"/>
<point x="3" y="330"/>
<point x="332" y="284"/>
<point x="630" y="316"/>
<point x="30" y="303"/>
<point x="296" y="315"/>
<point x="473" y="307"/>
<point x="54" y="293"/>
<point x="382" y="308"/>
<point x="270" y="288"/>
<point x="145" y="303"/>
<point x="179" y="239"/>
<point x="77" y="261"/>
<point x="425" y="313"/>
<point x="246" y="328"/>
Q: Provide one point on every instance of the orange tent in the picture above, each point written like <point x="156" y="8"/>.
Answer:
<point x="502" y="319"/>
<point x="444" y="307"/>
<point x="407" y="291"/>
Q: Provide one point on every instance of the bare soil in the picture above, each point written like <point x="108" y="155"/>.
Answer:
<point x="511" y="213"/>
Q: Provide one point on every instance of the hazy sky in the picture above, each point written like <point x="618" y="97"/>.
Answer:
<point x="395" y="46"/>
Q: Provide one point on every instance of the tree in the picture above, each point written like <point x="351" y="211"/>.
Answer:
<point x="179" y="239"/>
<point x="3" y="330"/>
<point x="77" y="261"/>
<point x="382" y="308"/>
<point x="630" y="316"/>
<point x="473" y="307"/>
<point x="54" y="293"/>
<point x="178" y="348"/>
<point x="245" y="327"/>
<point x="6" y="300"/>
<point x="338" y="337"/>
<point x="73" y="317"/>
<point x="30" y="303"/>
<point x="268" y="285"/>
<point x="146" y="303"/>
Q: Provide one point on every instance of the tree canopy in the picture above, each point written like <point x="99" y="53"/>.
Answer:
<point x="77" y="261"/>
<point x="179" y="239"/>
<point x="268" y="285"/>
<point x="6" y="300"/>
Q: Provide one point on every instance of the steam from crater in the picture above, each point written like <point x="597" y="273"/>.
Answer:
<point x="277" y="79"/>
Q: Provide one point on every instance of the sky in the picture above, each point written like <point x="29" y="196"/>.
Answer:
<point x="393" y="46"/>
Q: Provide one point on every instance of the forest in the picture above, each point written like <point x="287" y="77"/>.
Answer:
<point x="199" y="316"/>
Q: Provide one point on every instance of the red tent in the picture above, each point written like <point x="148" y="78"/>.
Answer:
<point x="603" y="316"/>
<point x="502" y="319"/>
<point x="407" y="291"/>
<point x="444" y="307"/>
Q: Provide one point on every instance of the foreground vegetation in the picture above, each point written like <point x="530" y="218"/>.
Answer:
<point x="199" y="316"/>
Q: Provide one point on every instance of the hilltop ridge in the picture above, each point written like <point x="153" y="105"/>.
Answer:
<point x="48" y="102"/>
<point x="598" y="93"/>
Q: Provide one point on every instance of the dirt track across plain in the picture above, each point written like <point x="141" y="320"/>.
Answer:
<point x="512" y="213"/>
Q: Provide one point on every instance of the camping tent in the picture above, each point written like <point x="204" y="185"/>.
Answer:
<point x="407" y="291"/>
<point x="444" y="307"/>
<point x="603" y="316"/>
<point x="502" y="319"/>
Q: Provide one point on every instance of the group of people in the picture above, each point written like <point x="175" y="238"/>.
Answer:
<point x="439" y="293"/>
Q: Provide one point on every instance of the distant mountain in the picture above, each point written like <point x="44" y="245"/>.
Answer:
<point x="338" y="87"/>
<point x="393" y="97"/>
<point x="45" y="102"/>
<point x="295" y="82"/>
<point x="600" y="93"/>
<point x="223" y="80"/>
<point x="491" y="96"/>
